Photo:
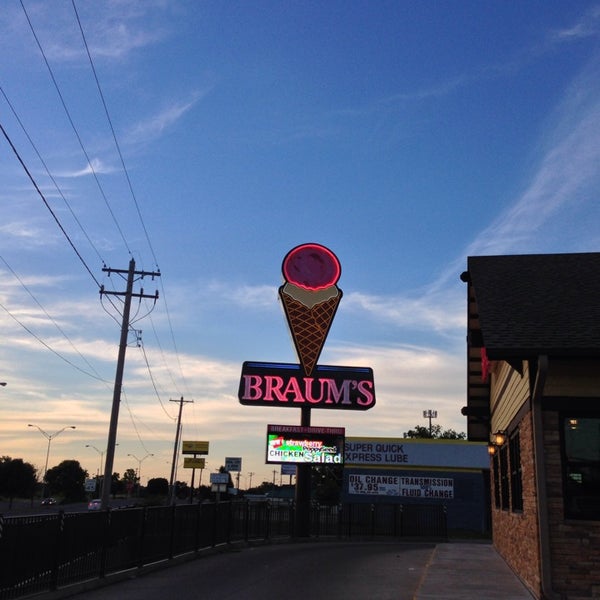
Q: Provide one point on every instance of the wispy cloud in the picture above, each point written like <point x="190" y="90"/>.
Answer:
<point x="113" y="33"/>
<point x="587" y="26"/>
<point x="95" y="166"/>
<point x="432" y="312"/>
<point x="566" y="177"/>
<point x="155" y="125"/>
<point x="560" y="193"/>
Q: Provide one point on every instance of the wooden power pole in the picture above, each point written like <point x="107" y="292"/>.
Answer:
<point x="114" y="417"/>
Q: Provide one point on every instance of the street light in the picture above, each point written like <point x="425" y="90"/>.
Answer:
<point x="139" y="472"/>
<point x="49" y="438"/>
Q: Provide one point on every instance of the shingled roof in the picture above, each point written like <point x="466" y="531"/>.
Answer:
<point x="524" y="306"/>
<point x="537" y="304"/>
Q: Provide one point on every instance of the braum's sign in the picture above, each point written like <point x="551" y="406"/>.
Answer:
<point x="282" y="384"/>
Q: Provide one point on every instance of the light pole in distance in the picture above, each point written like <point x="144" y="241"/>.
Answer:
<point x="49" y="438"/>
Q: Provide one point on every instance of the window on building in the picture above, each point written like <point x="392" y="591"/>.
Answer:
<point x="504" y="490"/>
<point x="581" y="451"/>
<point x="496" y="467"/>
<point x="516" y="483"/>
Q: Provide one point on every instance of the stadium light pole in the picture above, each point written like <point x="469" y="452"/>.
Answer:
<point x="49" y="438"/>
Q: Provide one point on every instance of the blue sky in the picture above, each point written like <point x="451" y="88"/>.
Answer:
<point x="405" y="136"/>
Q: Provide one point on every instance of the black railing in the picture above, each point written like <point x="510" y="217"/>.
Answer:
<point x="46" y="552"/>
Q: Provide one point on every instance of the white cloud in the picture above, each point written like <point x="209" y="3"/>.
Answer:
<point x="154" y="126"/>
<point x="95" y="166"/>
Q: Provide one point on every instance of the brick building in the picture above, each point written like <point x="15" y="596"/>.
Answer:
<point x="534" y="379"/>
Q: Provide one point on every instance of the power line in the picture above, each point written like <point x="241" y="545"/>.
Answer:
<point x="98" y="376"/>
<point x="75" y="131"/>
<point x="41" y="195"/>
<point x="58" y="189"/>
<point x="125" y="171"/>
<point x="48" y="347"/>
<point x="129" y="182"/>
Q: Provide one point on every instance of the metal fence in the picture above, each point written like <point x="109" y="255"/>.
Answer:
<point x="46" y="552"/>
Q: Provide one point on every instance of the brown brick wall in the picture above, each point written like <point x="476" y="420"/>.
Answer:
<point x="515" y="534"/>
<point x="574" y="545"/>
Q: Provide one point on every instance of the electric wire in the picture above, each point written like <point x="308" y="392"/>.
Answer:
<point x="41" y="195"/>
<point x="63" y="333"/>
<point x="48" y="347"/>
<point x="145" y="356"/>
<point x="91" y="167"/>
<point x="114" y="135"/>
<point x="75" y="131"/>
<point x="51" y="177"/>
<point x="129" y="182"/>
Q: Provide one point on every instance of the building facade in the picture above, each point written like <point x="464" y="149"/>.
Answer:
<point x="534" y="394"/>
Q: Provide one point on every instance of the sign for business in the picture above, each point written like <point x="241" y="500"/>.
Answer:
<point x="190" y="462"/>
<point x="400" y="452"/>
<point x="282" y="384"/>
<point x="288" y="469"/>
<point x="233" y="463"/>
<point x="219" y="478"/>
<point x="305" y="445"/>
<point x="403" y="486"/>
<point x="194" y="447"/>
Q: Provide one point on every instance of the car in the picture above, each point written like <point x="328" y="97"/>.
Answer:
<point x="48" y="501"/>
<point x="95" y="504"/>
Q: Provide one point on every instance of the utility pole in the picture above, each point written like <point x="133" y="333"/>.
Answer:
<point x="175" y="447"/>
<point x="114" y="416"/>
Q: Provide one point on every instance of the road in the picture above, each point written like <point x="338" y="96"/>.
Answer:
<point x="27" y="507"/>
<point x="332" y="570"/>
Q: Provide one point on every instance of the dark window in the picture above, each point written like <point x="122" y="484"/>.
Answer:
<point x="496" y="467"/>
<point x="581" y="451"/>
<point x="504" y="494"/>
<point x="516" y="483"/>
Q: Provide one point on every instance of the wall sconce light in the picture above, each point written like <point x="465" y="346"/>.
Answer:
<point x="491" y="449"/>
<point x="499" y="438"/>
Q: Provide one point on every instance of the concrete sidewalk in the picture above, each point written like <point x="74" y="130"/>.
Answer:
<point x="467" y="571"/>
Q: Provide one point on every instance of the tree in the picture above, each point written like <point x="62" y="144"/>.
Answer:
<point x="130" y="480"/>
<point x="17" y="478"/>
<point x="68" y="480"/>
<point x="158" y="486"/>
<point x="420" y="431"/>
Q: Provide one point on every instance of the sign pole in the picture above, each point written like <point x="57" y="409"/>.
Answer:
<point x="303" y="486"/>
<point x="192" y="484"/>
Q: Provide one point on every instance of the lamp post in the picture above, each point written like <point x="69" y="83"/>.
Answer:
<point x="101" y="453"/>
<point x="49" y="438"/>
<point x="139" y="471"/>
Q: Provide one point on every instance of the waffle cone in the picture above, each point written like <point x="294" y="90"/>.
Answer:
<point x="309" y="327"/>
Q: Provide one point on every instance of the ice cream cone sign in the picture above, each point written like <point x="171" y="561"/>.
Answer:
<point x="310" y="298"/>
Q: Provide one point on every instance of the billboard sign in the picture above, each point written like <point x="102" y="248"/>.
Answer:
<point x="191" y="462"/>
<point x="403" y="486"/>
<point x="194" y="447"/>
<point x="282" y="384"/>
<point x="296" y="444"/>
